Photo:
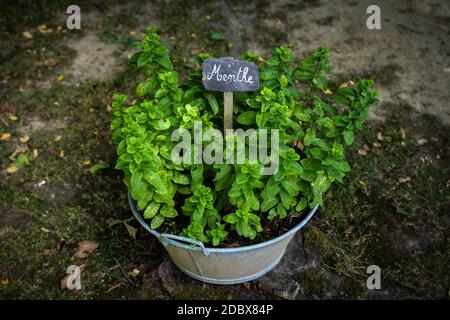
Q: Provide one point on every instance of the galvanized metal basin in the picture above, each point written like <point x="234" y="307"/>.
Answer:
<point x="223" y="265"/>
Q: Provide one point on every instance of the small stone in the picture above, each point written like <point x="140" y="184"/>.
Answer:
<point x="280" y="286"/>
<point x="282" y="280"/>
<point x="165" y="273"/>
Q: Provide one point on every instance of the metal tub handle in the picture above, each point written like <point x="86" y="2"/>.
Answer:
<point x="162" y="236"/>
<point x="184" y="239"/>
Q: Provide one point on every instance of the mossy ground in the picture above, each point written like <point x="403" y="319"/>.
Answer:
<point x="391" y="211"/>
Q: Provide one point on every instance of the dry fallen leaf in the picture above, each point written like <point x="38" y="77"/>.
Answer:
<point x="12" y="169"/>
<point x="58" y="137"/>
<point x="346" y="84"/>
<point x="362" y="152"/>
<point x="403" y="180"/>
<point x="24" y="139"/>
<point x="348" y="232"/>
<point x="298" y="144"/>
<point x="422" y="141"/>
<point x="5" y="136"/>
<point x="35" y="153"/>
<point x="60" y="78"/>
<point x="380" y="136"/>
<point x="19" y="150"/>
<point x="131" y="230"/>
<point x="247" y="285"/>
<point x="60" y="29"/>
<point x="85" y="248"/>
<point x="402" y="133"/>
<point x="50" y="62"/>
<point x="13" y="117"/>
<point x="4" y="282"/>
<point x="44" y="29"/>
<point x="112" y="288"/>
<point x="27" y="35"/>
<point x="195" y="52"/>
<point x="362" y="183"/>
<point x="61" y="154"/>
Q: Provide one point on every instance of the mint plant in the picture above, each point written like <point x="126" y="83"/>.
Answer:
<point x="315" y="122"/>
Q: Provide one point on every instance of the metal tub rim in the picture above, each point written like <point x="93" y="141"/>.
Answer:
<point x="172" y="239"/>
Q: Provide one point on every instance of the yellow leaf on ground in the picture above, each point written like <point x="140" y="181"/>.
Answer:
<point x="12" y="169"/>
<point x="43" y="29"/>
<point x="85" y="248"/>
<point x="5" y="136"/>
<point x="24" y="139"/>
<point x="60" y="78"/>
<point x="346" y="84"/>
<point x="27" y="35"/>
<point x="35" y="153"/>
<point x="61" y="154"/>
<point x="4" y="282"/>
<point x="50" y="62"/>
<point x="328" y="91"/>
<point x="13" y="117"/>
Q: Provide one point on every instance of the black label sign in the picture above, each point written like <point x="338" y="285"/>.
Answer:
<point x="227" y="74"/>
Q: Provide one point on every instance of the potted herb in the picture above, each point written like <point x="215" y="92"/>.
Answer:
<point x="226" y="222"/>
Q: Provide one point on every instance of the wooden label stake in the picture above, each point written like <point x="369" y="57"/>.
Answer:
<point x="228" y="110"/>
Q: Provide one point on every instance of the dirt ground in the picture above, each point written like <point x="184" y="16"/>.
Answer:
<point x="55" y="95"/>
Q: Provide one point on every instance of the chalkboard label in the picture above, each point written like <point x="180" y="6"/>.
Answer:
<point x="227" y="74"/>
